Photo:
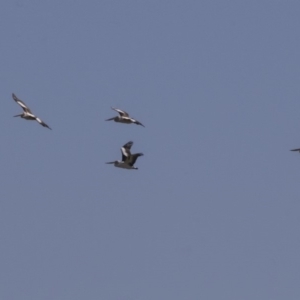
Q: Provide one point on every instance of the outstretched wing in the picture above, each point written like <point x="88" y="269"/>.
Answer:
<point x="122" y="113"/>
<point x="126" y="151"/>
<point x="137" y="122"/>
<point x="128" y="145"/>
<point x="21" y="103"/>
<point x="133" y="158"/>
<point x="42" y="123"/>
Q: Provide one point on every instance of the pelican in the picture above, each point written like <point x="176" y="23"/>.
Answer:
<point x="296" y="150"/>
<point x="124" y="117"/>
<point x="128" y="159"/>
<point x="27" y="114"/>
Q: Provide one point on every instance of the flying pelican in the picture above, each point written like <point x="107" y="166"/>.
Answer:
<point x="27" y="114"/>
<point x="296" y="150"/>
<point x="128" y="159"/>
<point x="124" y="118"/>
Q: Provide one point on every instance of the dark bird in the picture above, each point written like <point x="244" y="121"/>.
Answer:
<point x="128" y="159"/>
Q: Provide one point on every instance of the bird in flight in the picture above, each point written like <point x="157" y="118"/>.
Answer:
<point x="128" y="159"/>
<point x="123" y="117"/>
<point x="27" y="114"/>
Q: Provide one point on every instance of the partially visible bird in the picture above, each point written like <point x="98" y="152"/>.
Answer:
<point x="296" y="150"/>
<point x="128" y="159"/>
<point x="124" y="118"/>
<point x="27" y="114"/>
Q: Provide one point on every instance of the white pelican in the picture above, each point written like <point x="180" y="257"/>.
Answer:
<point x="128" y="159"/>
<point x="124" y="118"/>
<point x="27" y="114"/>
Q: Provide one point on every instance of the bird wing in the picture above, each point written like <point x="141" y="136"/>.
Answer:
<point x="133" y="158"/>
<point x="122" y="113"/>
<point x="21" y="103"/>
<point x="128" y="145"/>
<point x="125" y="154"/>
<point x="137" y="122"/>
<point x="126" y="151"/>
<point x="42" y="123"/>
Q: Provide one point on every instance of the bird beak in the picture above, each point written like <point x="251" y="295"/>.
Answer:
<point x="111" y="162"/>
<point x="110" y="119"/>
<point x="17" y="115"/>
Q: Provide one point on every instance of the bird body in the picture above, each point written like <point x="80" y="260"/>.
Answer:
<point x="124" y="118"/>
<point x="128" y="159"/>
<point x="27" y="114"/>
<point x="122" y="164"/>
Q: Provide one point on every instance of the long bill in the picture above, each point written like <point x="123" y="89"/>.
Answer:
<point x="110" y="119"/>
<point x="111" y="162"/>
<point x="18" y="115"/>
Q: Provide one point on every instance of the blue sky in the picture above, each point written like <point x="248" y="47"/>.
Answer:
<point x="212" y="212"/>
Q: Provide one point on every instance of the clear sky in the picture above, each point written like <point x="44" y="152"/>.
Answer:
<point x="213" y="211"/>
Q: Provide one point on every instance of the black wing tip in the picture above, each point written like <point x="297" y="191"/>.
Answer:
<point x="138" y="123"/>
<point x="45" y="125"/>
<point x="128" y="144"/>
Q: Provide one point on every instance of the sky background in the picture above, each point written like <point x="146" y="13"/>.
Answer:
<point x="213" y="211"/>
